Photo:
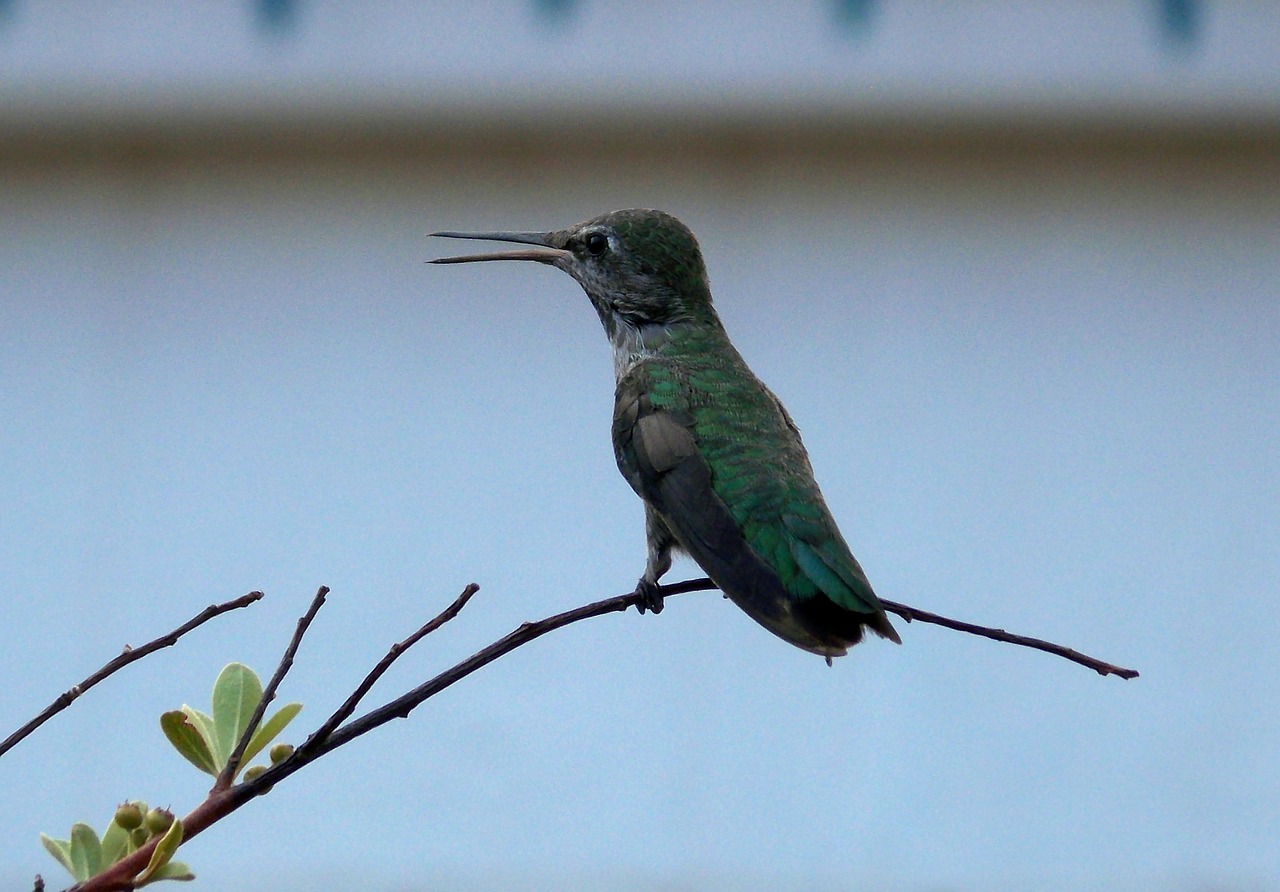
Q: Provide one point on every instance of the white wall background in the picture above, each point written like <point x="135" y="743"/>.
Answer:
<point x="1032" y="347"/>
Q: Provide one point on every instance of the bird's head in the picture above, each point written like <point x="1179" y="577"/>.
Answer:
<point x="639" y="267"/>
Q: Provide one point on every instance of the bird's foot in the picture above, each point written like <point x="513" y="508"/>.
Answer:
<point x="650" y="595"/>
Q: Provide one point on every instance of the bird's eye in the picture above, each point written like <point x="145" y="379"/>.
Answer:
<point x="596" y="244"/>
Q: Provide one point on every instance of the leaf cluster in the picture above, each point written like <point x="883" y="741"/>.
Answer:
<point x="85" y="855"/>
<point x="207" y="741"/>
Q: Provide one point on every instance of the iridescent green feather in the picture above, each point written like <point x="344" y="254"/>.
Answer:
<point x="741" y="430"/>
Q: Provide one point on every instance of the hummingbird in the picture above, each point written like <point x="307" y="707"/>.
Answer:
<point x="706" y="445"/>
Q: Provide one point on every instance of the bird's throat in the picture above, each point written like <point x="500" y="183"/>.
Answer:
<point x="633" y="345"/>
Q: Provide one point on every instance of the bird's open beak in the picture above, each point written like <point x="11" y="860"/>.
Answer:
<point x="544" y="253"/>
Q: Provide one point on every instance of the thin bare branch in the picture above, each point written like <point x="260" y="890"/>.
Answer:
<point x="130" y="655"/>
<point x="222" y="801"/>
<point x="224" y="779"/>
<point x="912" y="614"/>
<point x="915" y="614"/>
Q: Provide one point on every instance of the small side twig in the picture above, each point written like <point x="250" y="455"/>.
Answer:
<point x="130" y="655"/>
<point x="344" y="711"/>
<point x="224" y="779"/>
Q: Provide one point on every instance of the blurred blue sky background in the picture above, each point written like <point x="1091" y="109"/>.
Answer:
<point x="1013" y="267"/>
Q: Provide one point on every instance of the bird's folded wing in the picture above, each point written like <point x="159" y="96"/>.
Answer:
<point x="661" y="460"/>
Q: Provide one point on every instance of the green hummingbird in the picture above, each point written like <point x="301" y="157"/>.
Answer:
<point x="711" y="451"/>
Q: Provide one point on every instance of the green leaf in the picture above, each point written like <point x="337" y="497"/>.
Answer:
<point x="269" y="729"/>
<point x="235" y="696"/>
<point x="60" y="849"/>
<point x="174" y="870"/>
<point x="115" y="842"/>
<point x="203" y="723"/>
<point x="188" y="741"/>
<point x="86" y="852"/>
<point x="162" y="853"/>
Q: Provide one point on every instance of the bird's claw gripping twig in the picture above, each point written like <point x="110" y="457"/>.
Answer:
<point x="650" y="595"/>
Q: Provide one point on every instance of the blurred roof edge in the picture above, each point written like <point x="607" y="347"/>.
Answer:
<point x="276" y="125"/>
